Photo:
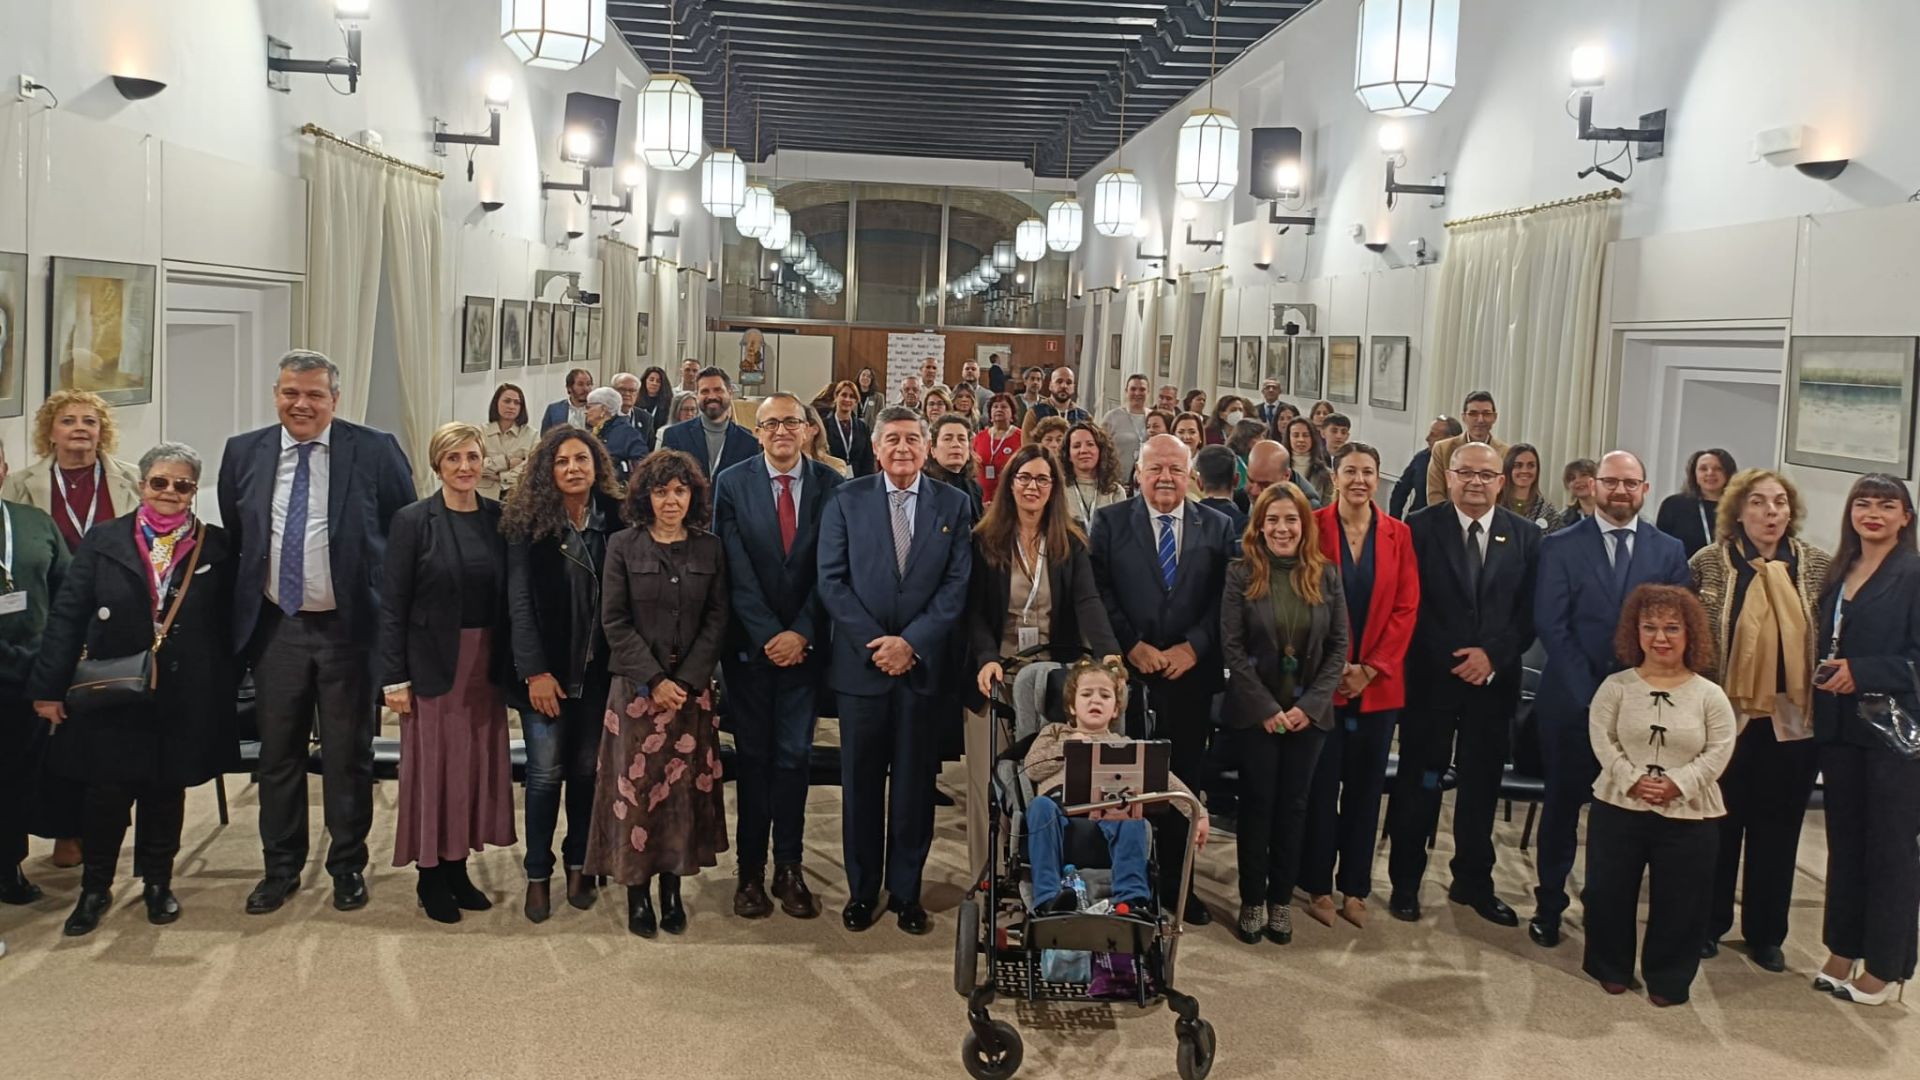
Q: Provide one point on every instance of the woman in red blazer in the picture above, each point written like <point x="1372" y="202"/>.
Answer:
<point x="1382" y="583"/>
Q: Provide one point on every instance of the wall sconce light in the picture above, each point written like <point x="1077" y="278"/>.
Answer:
<point x="1288" y="221"/>
<point x="1589" y="73"/>
<point x="490" y="205"/>
<point x="574" y="234"/>
<point x="676" y="206"/>
<point x="1375" y="246"/>
<point x="137" y="89"/>
<point x="1218" y="240"/>
<point x="1139" y="252"/>
<point x="577" y="146"/>
<point x="1263" y="267"/>
<point x="1393" y="143"/>
<point x="280" y="62"/>
<point x="1824" y="170"/>
<point x="499" y="90"/>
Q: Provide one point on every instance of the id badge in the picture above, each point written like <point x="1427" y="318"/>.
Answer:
<point x="13" y="603"/>
<point x="990" y="472"/>
<point x="1029" y="637"/>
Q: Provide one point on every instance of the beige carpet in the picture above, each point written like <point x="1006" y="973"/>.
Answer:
<point x="311" y="992"/>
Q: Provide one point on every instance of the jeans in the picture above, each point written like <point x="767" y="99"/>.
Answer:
<point x="560" y="750"/>
<point x="1047" y="839"/>
<point x="1343" y="807"/>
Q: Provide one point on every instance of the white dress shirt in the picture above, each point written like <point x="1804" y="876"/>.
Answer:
<point x="912" y="504"/>
<point x="1613" y="540"/>
<point x="1179" y="515"/>
<point x="1486" y="530"/>
<point x="318" y="571"/>
<point x="799" y="474"/>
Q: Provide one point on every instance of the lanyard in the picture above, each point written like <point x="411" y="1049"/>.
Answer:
<point x="1080" y="496"/>
<point x="846" y="436"/>
<point x="93" y="506"/>
<point x="6" y="559"/>
<point x="1706" y="527"/>
<point x="1839" y="615"/>
<point x="994" y="446"/>
<point x="1034" y="568"/>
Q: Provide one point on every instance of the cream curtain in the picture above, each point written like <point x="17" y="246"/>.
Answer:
<point x="1211" y="311"/>
<point x="1092" y="348"/>
<point x="1180" y="369"/>
<point x="620" y="300"/>
<point x="1519" y="312"/>
<point x="666" y="315"/>
<point x="414" y="253"/>
<point x="1132" y="331"/>
<point x="346" y="200"/>
<point x="694" y="324"/>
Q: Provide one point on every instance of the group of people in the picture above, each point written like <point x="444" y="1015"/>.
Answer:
<point x="639" y="575"/>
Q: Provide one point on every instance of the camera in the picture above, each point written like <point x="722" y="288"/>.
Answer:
<point x="585" y="297"/>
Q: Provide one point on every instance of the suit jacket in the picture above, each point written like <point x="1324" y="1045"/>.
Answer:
<point x="1439" y="458"/>
<point x="1250" y="644"/>
<point x="1126" y="564"/>
<point x="1392" y="609"/>
<point x="1576" y="609"/>
<point x="1079" y="618"/>
<point x="33" y="486"/>
<point x="858" y="456"/>
<point x="626" y="444"/>
<point x="556" y="415"/>
<point x="772" y="591"/>
<point x="1879" y="640"/>
<point x="420" y="598"/>
<point x="868" y="597"/>
<point x="1499" y="618"/>
<point x="688" y="438"/>
<point x="1410" y="491"/>
<point x="369" y="480"/>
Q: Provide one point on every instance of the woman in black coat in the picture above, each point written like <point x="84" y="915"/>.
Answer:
<point x="145" y="754"/>
<point x="1689" y="515"/>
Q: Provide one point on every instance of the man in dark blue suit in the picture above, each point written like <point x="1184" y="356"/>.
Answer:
<point x="712" y="438"/>
<point x="895" y="552"/>
<point x="767" y="511"/>
<point x="1586" y="573"/>
<point x="1161" y="564"/>
<point x="307" y="502"/>
<point x="571" y="409"/>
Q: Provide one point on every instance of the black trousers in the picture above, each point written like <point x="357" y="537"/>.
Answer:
<point x="1276" y="775"/>
<point x="309" y="670"/>
<point x="1343" y="810"/>
<point x="156" y="835"/>
<point x="1766" y="788"/>
<point x="888" y="755"/>
<point x="1475" y="741"/>
<point x="1873" y="857"/>
<point x="1566" y="752"/>
<point x="1622" y="846"/>
<point x="17" y="754"/>
<point x="1183" y="715"/>
<point x="772" y="716"/>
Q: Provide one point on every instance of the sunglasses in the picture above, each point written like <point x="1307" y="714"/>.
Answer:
<point x="161" y="483"/>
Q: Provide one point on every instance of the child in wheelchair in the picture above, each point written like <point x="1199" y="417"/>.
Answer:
<point x="1096" y="695"/>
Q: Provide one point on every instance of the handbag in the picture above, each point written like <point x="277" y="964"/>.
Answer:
<point x="1897" y="728"/>
<point x="121" y="681"/>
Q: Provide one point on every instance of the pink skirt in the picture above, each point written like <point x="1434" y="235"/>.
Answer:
<point x="456" y="771"/>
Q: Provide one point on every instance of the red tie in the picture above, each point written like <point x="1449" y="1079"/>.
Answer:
<point x="789" y="514"/>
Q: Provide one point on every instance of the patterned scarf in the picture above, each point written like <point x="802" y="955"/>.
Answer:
<point x="1767" y="672"/>
<point x="162" y="539"/>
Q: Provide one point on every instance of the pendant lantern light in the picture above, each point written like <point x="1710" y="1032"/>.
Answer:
<point x="1207" y="155"/>
<point x="796" y="246"/>
<point x="671" y="116"/>
<point x="723" y="176"/>
<point x="1030" y="240"/>
<point x="557" y="34"/>
<point x="755" y="215"/>
<point x="1066" y="220"/>
<point x="1004" y="258"/>
<point x="986" y="271"/>
<point x="779" y="232"/>
<point x="1116" y="197"/>
<point x="1406" y="61"/>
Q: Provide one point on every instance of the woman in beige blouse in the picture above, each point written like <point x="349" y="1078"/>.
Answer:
<point x="507" y="442"/>
<point x="1663" y="734"/>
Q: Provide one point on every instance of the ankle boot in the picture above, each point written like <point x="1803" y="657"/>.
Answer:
<point x="454" y="872"/>
<point x="673" y="916"/>
<point x="582" y="890"/>
<point x="640" y="918"/>
<point x="435" y="897"/>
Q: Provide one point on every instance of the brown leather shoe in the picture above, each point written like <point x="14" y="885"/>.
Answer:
<point x="539" y="904"/>
<point x="1354" y="910"/>
<point x="1320" y="910"/>
<point x="790" y="885"/>
<point x="750" y="896"/>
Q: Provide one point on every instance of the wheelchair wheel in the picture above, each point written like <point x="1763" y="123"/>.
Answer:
<point x="966" y="949"/>
<point x="984" y="1066"/>
<point x="1194" y="1058"/>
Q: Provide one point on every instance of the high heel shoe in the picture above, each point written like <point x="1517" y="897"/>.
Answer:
<point x="640" y="918"/>
<point x="435" y="898"/>
<point x="1827" y="984"/>
<point x="673" y="915"/>
<point x="454" y="873"/>
<point x="1846" y="991"/>
<point x="582" y="889"/>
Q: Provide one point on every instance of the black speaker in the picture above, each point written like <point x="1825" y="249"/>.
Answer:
<point x="598" y="117"/>
<point x="1272" y="148"/>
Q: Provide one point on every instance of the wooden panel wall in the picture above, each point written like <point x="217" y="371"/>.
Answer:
<point x="855" y="347"/>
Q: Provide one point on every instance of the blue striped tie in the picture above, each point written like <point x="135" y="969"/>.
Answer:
<point x="1166" y="550"/>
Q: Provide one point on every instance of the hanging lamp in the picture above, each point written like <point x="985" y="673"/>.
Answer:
<point x="1066" y="219"/>
<point x="1207" y="159"/>
<point x="780" y="225"/>
<point x="558" y="34"/>
<point x="1406" y="61"/>
<point x="723" y="176"/>
<point x="1116" y="196"/>
<point x="755" y="215"/>
<point x="672" y="114"/>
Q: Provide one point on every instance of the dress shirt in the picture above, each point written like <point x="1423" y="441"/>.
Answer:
<point x="1613" y="540"/>
<point x="1179" y="514"/>
<point x="799" y="474"/>
<point x="912" y="504"/>
<point x="318" y="570"/>
<point x="1486" y="526"/>
<point x="576" y="414"/>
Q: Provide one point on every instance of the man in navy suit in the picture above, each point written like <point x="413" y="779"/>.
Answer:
<point x="307" y="502"/>
<point x="571" y="409"/>
<point x="1161" y="564"/>
<point x="712" y="438"/>
<point x="767" y="511"/>
<point x="895" y="552"/>
<point x="1586" y="573"/>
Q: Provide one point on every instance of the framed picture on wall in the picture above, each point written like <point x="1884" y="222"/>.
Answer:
<point x="1387" y="383"/>
<point x="1279" y="357"/>
<point x="1113" y="352"/>
<point x="1250" y="363"/>
<point x="100" y="322"/>
<point x="596" y="333"/>
<point x="13" y="334"/>
<point x="1163" y="365"/>
<point x="1229" y="361"/>
<point x="513" y="333"/>
<point x="539" y="333"/>
<point x="1343" y="370"/>
<point x="476" y="334"/>
<point x="643" y="330"/>
<point x="1309" y="362"/>
<point x="1850" y="403"/>
<point x="562" y="351"/>
<point x="582" y="321"/>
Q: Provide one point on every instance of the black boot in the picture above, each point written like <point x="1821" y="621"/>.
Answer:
<point x="435" y="897"/>
<point x="673" y="917"/>
<point x="162" y="906"/>
<point x="454" y="872"/>
<point x="640" y="918"/>
<point x="86" y="914"/>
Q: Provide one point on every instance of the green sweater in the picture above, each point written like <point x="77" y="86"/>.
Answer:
<point x="39" y="563"/>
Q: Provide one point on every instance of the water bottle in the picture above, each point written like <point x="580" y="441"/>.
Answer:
<point x="1078" y="884"/>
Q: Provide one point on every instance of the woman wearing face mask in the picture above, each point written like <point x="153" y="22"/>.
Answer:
<point x="1095" y="481"/>
<point x="1689" y="514"/>
<point x="1309" y="454"/>
<point x="1227" y="414"/>
<point x="1760" y="584"/>
<point x="1522" y="491"/>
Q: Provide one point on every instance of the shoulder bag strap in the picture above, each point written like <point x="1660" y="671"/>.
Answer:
<point x="180" y="594"/>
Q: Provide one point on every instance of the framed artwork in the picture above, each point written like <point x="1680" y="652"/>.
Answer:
<point x="100" y="322"/>
<point x="596" y="333"/>
<point x="1850" y="403"/>
<point x="1387" y="383"/>
<point x="1113" y="352"/>
<point x="1250" y="363"/>
<point x="1164" y="365"/>
<point x="643" y="331"/>
<point x="582" y="322"/>
<point x="562" y="352"/>
<point x="476" y="334"/>
<point x="1229" y="361"/>
<point x="1309" y="362"/>
<point x="1343" y="370"/>
<point x="513" y="333"/>
<point x="1279" y="355"/>
<point x="13" y="334"/>
<point x="539" y="333"/>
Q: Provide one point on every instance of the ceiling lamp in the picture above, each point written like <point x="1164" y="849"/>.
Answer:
<point x="553" y="33"/>
<point x="809" y="260"/>
<point x="1030" y="240"/>
<point x="671" y="113"/>
<point x="1066" y="222"/>
<point x="779" y="232"/>
<point x="1207" y="159"/>
<point x="1405" y="64"/>
<point x="1003" y="256"/>
<point x="1116" y="197"/>
<point x="723" y="176"/>
<point x="795" y="246"/>
<point x="755" y="215"/>
<point x="986" y="271"/>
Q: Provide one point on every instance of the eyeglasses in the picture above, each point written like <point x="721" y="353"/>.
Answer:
<point x="161" y="483"/>
<point x="1475" y="476"/>
<point x="783" y="423"/>
<point x="1035" y="480"/>
<point x="1616" y="483"/>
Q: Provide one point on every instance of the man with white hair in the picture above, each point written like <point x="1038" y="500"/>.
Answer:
<point x="615" y="432"/>
<point x="629" y="386"/>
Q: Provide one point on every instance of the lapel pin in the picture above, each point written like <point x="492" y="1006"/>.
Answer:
<point x="1499" y="539"/>
<point x="945" y="529"/>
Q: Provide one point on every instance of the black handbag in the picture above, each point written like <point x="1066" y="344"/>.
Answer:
<point x="1898" y="729"/>
<point x="117" y="682"/>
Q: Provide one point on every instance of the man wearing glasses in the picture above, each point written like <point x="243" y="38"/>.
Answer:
<point x="1477" y="567"/>
<point x="1586" y="573"/>
<point x="1478" y="414"/>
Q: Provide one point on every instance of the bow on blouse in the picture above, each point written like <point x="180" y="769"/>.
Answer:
<point x="1656" y="734"/>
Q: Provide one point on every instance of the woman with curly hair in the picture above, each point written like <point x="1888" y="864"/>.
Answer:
<point x="557" y="523"/>
<point x="75" y="478"/>
<point x="1052" y="436"/>
<point x="1663" y="733"/>
<point x="1093" y="473"/>
<point x="658" y="809"/>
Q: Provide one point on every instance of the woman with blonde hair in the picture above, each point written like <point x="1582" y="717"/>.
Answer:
<point x="75" y="478"/>
<point x="818" y="447"/>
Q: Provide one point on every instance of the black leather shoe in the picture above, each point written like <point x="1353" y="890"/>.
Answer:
<point x="15" y="889"/>
<point x="436" y="898"/>
<point x="913" y="917"/>
<point x="581" y="892"/>
<point x="162" y="906"/>
<point x="1770" y="957"/>
<point x="1490" y="908"/>
<point x="465" y="893"/>
<point x="1710" y="949"/>
<point x="673" y="914"/>
<point x="1544" y="930"/>
<point x="858" y="915"/>
<point x="1196" y="913"/>
<point x="641" y="921"/>
<point x="350" y="891"/>
<point x="1404" y="907"/>
<point x="790" y="885"/>
<point x="272" y="892"/>
<point x="86" y="914"/>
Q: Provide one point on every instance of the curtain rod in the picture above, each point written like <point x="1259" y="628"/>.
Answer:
<point x="319" y="132"/>
<point x="619" y="243"/>
<point x="1598" y="196"/>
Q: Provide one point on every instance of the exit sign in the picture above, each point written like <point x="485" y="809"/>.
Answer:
<point x="1052" y="345"/>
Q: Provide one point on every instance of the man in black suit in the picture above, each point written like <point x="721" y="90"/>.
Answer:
<point x="1477" y="565"/>
<point x="895" y="554"/>
<point x="996" y="375"/>
<point x="712" y="438"/>
<point x="571" y="409"/>
<point x="1161" y="564"/>
<point x="767" y="512"/>
<point x="308" y="502"/>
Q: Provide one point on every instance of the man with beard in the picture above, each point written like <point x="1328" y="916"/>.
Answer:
<point x="712" y="438"/>
<point x="1059" y="403"/>
<point x="1035" y="381"/>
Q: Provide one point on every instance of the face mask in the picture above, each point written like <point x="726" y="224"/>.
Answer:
<point x="1235" y="417"/>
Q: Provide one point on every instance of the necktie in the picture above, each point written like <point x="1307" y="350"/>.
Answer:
<point x="1475" y="556"/>
<point x="1167" y="562"/>
<point x="789" y="514"/>
<point x="1622" y="559"/>
<point x="293" y="541"/>
<point x="902" y="531"/>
